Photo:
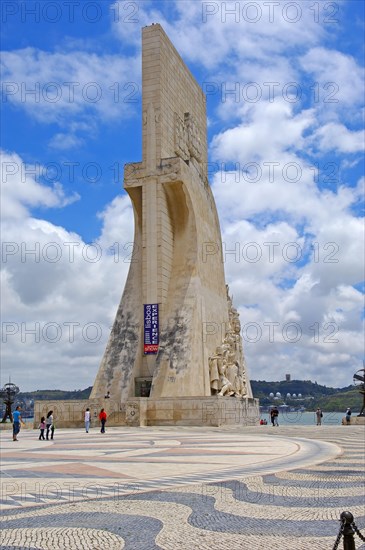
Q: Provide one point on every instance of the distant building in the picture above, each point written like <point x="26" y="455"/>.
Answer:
<point x="287" y="377"/>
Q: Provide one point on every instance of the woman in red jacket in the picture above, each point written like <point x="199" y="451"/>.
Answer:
<point x="102" y="418"/>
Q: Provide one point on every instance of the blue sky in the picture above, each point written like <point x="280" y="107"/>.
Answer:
<point x="285" y="86"/>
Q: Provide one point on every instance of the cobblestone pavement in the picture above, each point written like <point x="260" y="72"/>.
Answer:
<point x="188" y="488"/>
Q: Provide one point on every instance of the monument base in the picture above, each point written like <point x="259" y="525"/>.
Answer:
<point x="70" y="413"/>
<point x="354" y="421"/>
<point x="192" y="411"/>
<point x="145" y="411"/>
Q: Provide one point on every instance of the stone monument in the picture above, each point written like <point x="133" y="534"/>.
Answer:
<point x="175" y="350"/>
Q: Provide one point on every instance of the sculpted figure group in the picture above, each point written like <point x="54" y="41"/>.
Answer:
<point x="226" y="366"/>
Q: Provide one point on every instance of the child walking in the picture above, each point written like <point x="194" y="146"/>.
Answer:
<point x="42" y="427"/>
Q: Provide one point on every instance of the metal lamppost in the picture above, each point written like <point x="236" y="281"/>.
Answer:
<point x="8" y="393"/>
<point x="359" y="380"/>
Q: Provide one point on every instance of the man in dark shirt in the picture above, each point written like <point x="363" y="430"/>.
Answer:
<point x="275" y="413"/>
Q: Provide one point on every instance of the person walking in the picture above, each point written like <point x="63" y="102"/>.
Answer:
<point x="49" y="424"/>
<point x="348" y="415"/>
<point x="42" y="427"/>
<point x="102" y="418"/>
<point x="17" y="419"/>
<point x="319" y="415"/>
<point x="87" y="420"/>
<point x="276" y="416"/>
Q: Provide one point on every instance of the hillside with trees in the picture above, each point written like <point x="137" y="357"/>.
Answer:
<point x="312" y="395"/>
<point x="50" y="395"/>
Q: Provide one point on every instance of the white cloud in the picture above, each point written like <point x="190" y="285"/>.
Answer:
<point x="314" y="294"/>
<point x="21" y="191"/>
<point x="65" y="141"/>
<point x="74" y="89"/>
<point x="336" y="137"/>
<point x="263" y="206"/>
<point x="59" y="293"/>
<point x="266" y="130"/>
<point x="340" y="80"/>
<point x="223" y="32"/>
<point x="258" y="32"/>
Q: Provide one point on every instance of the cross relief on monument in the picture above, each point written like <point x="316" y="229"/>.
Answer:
<point x="187" y="139"/>
<point x="173" y="292"/>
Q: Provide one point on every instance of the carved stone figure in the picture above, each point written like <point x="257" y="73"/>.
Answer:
<point x="215" y="366"/>
<point x="181" y="140"/>
<point x="232" y="373"/>
<point x="226" y="388"/>
<point x="194" y="142"/>
<point x="229" y="360"/>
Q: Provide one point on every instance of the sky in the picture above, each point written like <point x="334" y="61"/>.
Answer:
<point x="285" y="87"/>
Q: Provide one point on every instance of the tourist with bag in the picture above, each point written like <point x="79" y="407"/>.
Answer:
<point x="49" y="424"/>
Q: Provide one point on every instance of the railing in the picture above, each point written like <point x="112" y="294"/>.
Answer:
<point x="347" y="530"/>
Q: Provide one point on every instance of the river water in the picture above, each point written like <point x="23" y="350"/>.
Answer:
<point x="306" y="418"/>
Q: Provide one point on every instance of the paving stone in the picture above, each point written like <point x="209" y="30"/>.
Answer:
<point x="282" y="509"/>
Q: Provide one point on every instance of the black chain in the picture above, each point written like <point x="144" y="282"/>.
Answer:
<point x="340" y="533"/>
<point x="355" y="528"/>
